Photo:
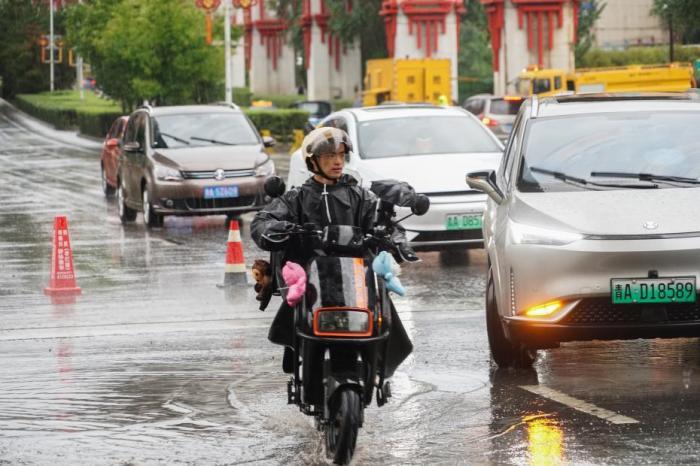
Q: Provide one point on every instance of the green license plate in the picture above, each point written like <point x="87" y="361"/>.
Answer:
<point x="463" y="222"/>
<point x="653" y="290"/>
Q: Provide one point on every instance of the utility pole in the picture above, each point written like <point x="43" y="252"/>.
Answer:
<point x="79" y="70"/>
<point x="670" y="38"/>
<point x="51" y="44"/>
<point x="227" y="50"/>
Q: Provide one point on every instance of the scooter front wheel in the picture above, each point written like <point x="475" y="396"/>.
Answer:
<point x="341" y="431"/>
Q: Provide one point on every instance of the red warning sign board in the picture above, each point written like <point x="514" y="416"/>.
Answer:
<point x="62" y="274"/>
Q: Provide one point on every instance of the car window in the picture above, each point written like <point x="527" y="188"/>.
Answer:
<point x="420" y="135"/>
<point x="115" y="130"/>
<point x="541" y="85"/>
<point x="658" y="143"/>
<point x="141" y="130"/>
<point x="130" y="134"/>
<point x="475" y="106"/>
<point x="202" y="129"/>
<point x="511" y="152"/>
<point x="505" y="107"/>
<point x="557" y="82"/>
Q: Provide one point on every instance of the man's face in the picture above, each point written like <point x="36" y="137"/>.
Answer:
<point x="332" y="163"/>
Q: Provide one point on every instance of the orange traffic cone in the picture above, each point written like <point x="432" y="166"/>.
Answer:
<point x="235" y="272"/>
<point x="62" y="281"/>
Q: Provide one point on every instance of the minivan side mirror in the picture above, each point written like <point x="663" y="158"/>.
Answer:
<point x="274" y="186"/>
<point x="132" y="146"/>
<point x="485" y="181"/>
<point x="269" y="141"/>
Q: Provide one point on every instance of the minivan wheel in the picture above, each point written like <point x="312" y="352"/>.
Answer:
<point x="505" y="352"/>
<point x="106" y="188"/>
<point x="126" y="214"/>
<point x="150" y="217"/>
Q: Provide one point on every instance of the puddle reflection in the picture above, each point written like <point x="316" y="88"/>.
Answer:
<point x="545" y="440"/>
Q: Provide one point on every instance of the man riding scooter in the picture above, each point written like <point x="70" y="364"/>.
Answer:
<point x="329" y="197"/>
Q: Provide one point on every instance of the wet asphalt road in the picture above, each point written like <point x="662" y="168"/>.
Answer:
<point x="153" y="364"/>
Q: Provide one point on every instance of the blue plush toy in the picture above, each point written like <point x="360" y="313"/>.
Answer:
<point x="386" y="267"/>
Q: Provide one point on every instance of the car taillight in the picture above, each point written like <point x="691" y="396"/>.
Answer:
<point x="489" y="122"/>
<point x="342" y="322"/>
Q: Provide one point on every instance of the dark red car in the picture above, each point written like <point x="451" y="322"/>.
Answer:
<point x="110" y="155"/>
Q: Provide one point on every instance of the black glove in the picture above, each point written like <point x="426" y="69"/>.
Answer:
<point x="277" y="235"/>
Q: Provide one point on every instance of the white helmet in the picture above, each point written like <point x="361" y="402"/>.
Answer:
<point x="324" y="141"/>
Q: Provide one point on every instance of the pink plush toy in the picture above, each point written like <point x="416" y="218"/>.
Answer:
<point x="295" y="278"/>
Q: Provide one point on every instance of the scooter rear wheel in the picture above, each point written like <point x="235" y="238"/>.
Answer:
<point x="341" y="431"/>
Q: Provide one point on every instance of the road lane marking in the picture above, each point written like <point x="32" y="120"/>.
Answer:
<point x="579" y="405"/>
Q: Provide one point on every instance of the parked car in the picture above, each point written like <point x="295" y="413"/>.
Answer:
<point x="589" y="226"/>
<point x="430" y="147"/>
<point x="191" y="160"/>
<point x="497" y="113"/>
<point x="318" y="110"/>
<point x="109" y="158"/>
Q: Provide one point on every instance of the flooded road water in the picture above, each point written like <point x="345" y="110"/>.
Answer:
<point x="154" y="364"/>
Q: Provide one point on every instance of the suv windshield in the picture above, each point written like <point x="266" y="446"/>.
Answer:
<point x="202" y="129"/>
<point x="614" y="148"/>
<point x="318" y="109"/>
<point x="419" y="135"/>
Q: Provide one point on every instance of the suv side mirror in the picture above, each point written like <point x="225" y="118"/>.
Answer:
<point x="274" y="186"/>
<point x="485" y="181"/>
<point x="269" y="141"/>
<point x="132" y="146"/>
<point x="421" y="205"/>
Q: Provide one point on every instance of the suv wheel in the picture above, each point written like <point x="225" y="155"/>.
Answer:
<point x="505" y="352"/>
<point x="126" y="213"/>
<point x="150" y="217"/>
<point x="106" y="188"/>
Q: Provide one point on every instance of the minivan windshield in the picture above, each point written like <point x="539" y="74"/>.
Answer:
<point x="611" y="151"/>
<point x="421" y="135"/>
<point x="202" y="129"/>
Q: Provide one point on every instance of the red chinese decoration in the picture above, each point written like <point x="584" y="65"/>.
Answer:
<point x="425" y="17"/>
<point x="272" y="33"/>
<point x="495" y="12"/>
<point x="209" y="6"/>
<point x="244" y="4"/>
<point x="533" y="14"/>
<point x="322" y="18"/>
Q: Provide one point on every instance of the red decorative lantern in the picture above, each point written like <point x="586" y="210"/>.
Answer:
<point x="244" y="4"/>
<point x="209" y="6"/>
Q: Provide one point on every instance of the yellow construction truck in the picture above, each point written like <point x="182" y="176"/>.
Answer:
<point x="407" y="80"/>
<point x="675" y="77"/>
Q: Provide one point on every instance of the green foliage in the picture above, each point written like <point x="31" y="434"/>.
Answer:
<point x="64" y="109"/>
<point x="636" y="55"/>
<point x="242" y="96"/>
<point x="21" y="24"/>
<point x="475" y="62"/>
<point x="147" y="50"/>
<point x="684" y="15"/>
<point x="281" y="123"/>
<point x="588" y="14"/>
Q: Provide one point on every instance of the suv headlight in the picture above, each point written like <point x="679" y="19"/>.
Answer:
<point x="167" y="174"/>
<point x="528" y="234"/>
<point x="265" y="169"/>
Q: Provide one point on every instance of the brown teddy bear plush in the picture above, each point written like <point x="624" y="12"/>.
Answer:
<point x="262" y="273"/>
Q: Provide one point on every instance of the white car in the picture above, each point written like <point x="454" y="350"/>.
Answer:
<point x="430" y="148"/>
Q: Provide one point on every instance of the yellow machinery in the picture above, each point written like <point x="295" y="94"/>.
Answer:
<point x="407" y="80"/>
<point x="676" y="77"/>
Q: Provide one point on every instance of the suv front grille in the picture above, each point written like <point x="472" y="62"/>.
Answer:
<point x="209" y="174"/>
<point x="603" y="311"/>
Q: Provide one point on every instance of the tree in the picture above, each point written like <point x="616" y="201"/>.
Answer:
<point x="685" y="16"/>
<point x="21" y="24"/>
<point x="151" y="50"/>
<point x="475" y="63"/>
<point x="588" y="14"/>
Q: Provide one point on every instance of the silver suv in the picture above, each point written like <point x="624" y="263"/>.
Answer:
<point x="591" y="226"/>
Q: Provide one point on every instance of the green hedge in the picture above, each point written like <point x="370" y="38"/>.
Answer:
<point x="281" y="123"/>
<point x="64" y="109"/>
<point x="637" y="56"/>
<point x="94" y="116"/>
<point x="242" y="96"/>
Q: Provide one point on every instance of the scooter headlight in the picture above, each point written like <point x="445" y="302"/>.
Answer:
<point x="342" y="322"/>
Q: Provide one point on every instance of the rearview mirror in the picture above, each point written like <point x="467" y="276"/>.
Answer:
<point x="421" y="205"/>
<point x="485" y="181"/>
<point x="269" y="141"/>
<point x="274" y="186"/>
<point x="132" y="146"/>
